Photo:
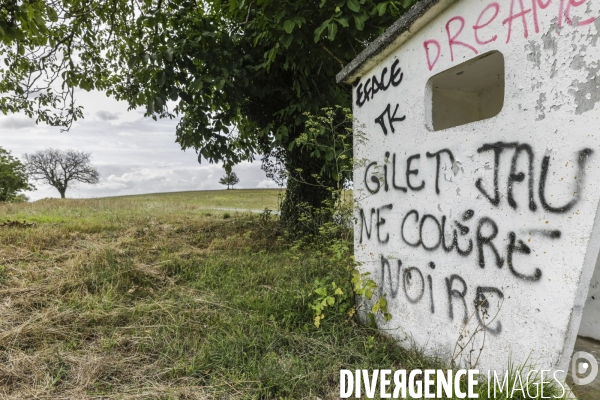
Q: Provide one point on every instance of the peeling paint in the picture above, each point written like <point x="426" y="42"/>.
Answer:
<point x="540" y="107"/>
<point x="550" y="42"/>
<point x="534" y="53"/>
<point x="457" y="167"/>
<point x="554" y="70"/>
<point x="593" y="39"/>
<point x="586" y="93"/>
<point x="577" y="62"/>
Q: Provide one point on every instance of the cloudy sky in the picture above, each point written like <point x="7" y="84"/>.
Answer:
<point x="133" y="154"/>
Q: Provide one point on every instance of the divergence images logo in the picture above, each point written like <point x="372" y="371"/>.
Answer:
<point x="579" y="368"/>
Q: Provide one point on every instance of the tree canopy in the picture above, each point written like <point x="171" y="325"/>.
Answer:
<point x="230" y="179"/>
<point x="241" y="74"/>
<point x="13" y="177"/>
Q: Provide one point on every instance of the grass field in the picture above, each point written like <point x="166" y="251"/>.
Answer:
<point x="158" y="297"/>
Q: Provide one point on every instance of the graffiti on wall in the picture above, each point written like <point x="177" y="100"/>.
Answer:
<point x="476" y="238"/>
<point x="518" y="14"/>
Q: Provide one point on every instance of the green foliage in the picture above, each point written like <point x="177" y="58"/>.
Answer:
<point x="24" y="20"/>
<point x="365" y="287"/>
<point x="333" y="300"/>
<point x="329" y="137"/>
<point x="230" y="179"/>
<point x="20" y="198"/>
<point x="238" y="69"/>
<point x="329" y="296"/>
<point x="13" y="178"/>
<point x="241" y="74"/>
<point x="49" y="48"/>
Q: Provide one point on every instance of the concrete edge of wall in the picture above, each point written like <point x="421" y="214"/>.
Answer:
<point x="414" y="19"/>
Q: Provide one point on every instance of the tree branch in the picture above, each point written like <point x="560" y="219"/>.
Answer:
<point x="334" y="57"/>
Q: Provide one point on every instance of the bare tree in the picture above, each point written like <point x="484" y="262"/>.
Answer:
<point x="59" y="168"/>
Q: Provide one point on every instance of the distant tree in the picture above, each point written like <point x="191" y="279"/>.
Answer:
<point x="230" y="179"/>
<point x="13" y="177"/>
<point x="59" y="168"/>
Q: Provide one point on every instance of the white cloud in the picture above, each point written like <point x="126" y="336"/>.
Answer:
<point x="15" y="122"/>
<point x="107" y="115"/>
<point x="267" y="184"/>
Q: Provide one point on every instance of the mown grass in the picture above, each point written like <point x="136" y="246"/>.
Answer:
<point x="153" y="297"/>
<point x="242" y="199"/>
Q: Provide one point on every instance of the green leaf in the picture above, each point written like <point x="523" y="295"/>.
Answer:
<point x="289" y="26"/>
<point x="354" y="5"/>
<point x="319" y="31"/>
<point x="372" y="322"/>
<point x="39" y="20"/>
<point x="343" y="22"/>
<point x="287" y="40"/>
<point x="173" y="95"/>
<point x="131" y="62"/>
<point x="332" y="28"/>
<point x="162" y="77"/>
<point x="299" y="21"/>
<point x="282" y="132"/>
<point x="317" y="321"/>
<point x="331" y="300"/>
<point x="359" y="21"/>
<point x="279" y="16"/>
<point x="52" y="15"/>
<point x="375" y="308"/>
<point x="197" y="84"/>
<point x="381" y="8"/>
<point x="169" y="55"/>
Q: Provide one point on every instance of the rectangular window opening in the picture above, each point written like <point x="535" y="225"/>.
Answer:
<point x="472" y="91"/>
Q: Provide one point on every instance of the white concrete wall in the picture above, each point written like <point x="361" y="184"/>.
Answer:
<point x="537" y="286"/>
<point x="590" y="321"/>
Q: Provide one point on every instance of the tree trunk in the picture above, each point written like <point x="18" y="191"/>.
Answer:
<point x="62" y="193"/>
<point x="305" y="194"/>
